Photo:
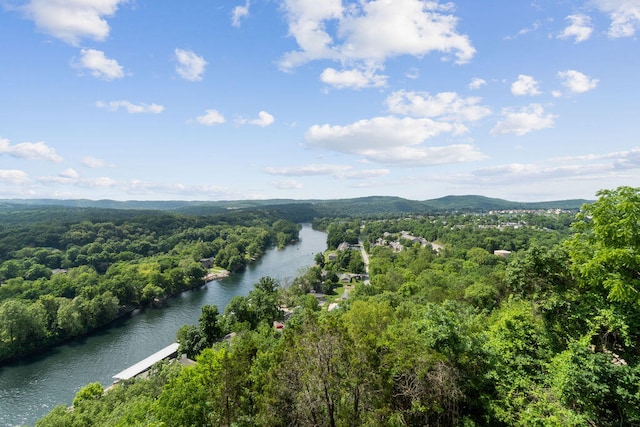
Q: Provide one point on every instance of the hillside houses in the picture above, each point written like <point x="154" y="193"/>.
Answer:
<point x="407" y="239"/>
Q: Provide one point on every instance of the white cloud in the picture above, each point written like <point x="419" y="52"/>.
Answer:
<point x="72" y="20"/>
<point x="210" y="118"/>
<point x="335" y="171"/>
<point x="354" y="79"/>
<point x="525" y="85"/>
<point x="264" y="119"/>
<point x="130" y="107"/>
<point x="413" y="73"/>
<point x="477" y="83"/>
<point x="445" y="105"/>
<point x="382" y="29"/>
<point x="93" y="163"/>
<point x="522" y="121"/>
<point x="534" y="27"/>
<point x="29" y="151"/>
<point x="307" y="19"/>
<point x="587" y="167"/>
<point x="577" y="82"/>
<point x="99" y="65"/>
<point x="69" y="174"/>
<point x="98" y="182"/>
<point x="391" y="140"/>
<point x="368" y="33"/>
<point x="289" y="184"/>
<point x="309" y="170"/>
<point x="624" y="15"/>
<point x="238" y="13"/>
<point x="579" y="27"/>
<point x="13" y="177"/>
<point x="190" y="66"/>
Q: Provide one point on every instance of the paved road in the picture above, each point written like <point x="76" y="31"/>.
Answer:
<point x="365" y="258"/>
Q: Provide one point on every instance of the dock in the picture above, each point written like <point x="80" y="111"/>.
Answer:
<point x="146" y="364"/>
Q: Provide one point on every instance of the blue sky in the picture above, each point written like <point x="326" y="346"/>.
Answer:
<point x="305" y="99"/>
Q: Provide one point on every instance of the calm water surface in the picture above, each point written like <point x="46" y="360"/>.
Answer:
<point x="31" y="389"/>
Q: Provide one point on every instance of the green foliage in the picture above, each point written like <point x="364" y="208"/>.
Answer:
<point x="597" y="385"/>
<point x="88" y="392"/>
<point x="454" y="337"/>
<point x="605" y="249"/>
<point x="104" y="263"/>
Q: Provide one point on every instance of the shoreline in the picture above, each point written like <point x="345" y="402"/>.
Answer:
<point x="216" y="275"/>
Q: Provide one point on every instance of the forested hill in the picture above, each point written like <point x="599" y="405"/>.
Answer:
<point x="302" y="210"/>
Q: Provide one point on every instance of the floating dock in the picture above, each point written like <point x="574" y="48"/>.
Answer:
<point x="146" y="364"/>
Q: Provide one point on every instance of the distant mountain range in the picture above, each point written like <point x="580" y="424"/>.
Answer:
<point x="306" y="208"/>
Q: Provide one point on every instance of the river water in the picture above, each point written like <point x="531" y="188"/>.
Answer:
<point x="30" y="389"/>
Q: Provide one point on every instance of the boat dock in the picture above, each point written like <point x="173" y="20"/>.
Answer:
<point x="146" y="364"/>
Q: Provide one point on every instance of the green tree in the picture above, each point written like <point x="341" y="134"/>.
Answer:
<point x="605" y="248"/>
<point x="210" y="324"/>
<point x="89" y="392"/>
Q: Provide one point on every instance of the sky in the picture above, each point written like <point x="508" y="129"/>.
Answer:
<point x="532" y="100"/>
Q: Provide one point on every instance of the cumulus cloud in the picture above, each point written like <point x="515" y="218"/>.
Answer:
<point x="445" y="105"/>
<point x="99" y="65"/>
<point x="190" y="66"/>
<point x="477" y="83"/>
<point x="29" y="151"/>
<point x="579" y="28"/>
<point x="368" y="33"/>
<point x="210" y="118"/>
<point x="238" y="13"/>
<point x="525" y="85"/>
<point x="392" y="140"/>
<point x="524" y="120"/>
<point x="130" y="107"/>
<point x="577" y="82"/>
<point x="264" y="119"/>
<point x="624" y="15"/>
<point x="71" y="21"/>
<point x="69" y="174"/>
<point x="13" y="177"/>
<point x="354" y="79"/>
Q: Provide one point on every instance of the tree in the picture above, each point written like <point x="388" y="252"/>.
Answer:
<point x="22" y="325"/>
<point x="606" y="391"/>
<point x="319" y="259"/>
<point x="208" y="393"/>
<point x="89" y="392"/>
<point x="264" y="300"/>
<point x="605" y="249"/>
<point x="209" y="323"/>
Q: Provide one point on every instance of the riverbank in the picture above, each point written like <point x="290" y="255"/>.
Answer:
<point x="30" y="390"/>
<point x="216" y="275"/>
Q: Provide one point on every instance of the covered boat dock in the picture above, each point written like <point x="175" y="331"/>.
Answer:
<point x="146" y="364"/>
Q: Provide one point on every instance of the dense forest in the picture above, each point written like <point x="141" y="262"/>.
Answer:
<point x="67" y="272"/>
<point x="502" y="319"/>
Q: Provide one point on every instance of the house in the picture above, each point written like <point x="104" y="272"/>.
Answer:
<point x="207" y="262"/>
<point x="502" y="253"/>
<point x="345" y="246"/>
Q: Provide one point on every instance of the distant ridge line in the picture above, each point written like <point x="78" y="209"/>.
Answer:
<point x="378" y="203"/>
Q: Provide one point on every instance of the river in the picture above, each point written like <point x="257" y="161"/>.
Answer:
<point x="30" y="389"/>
